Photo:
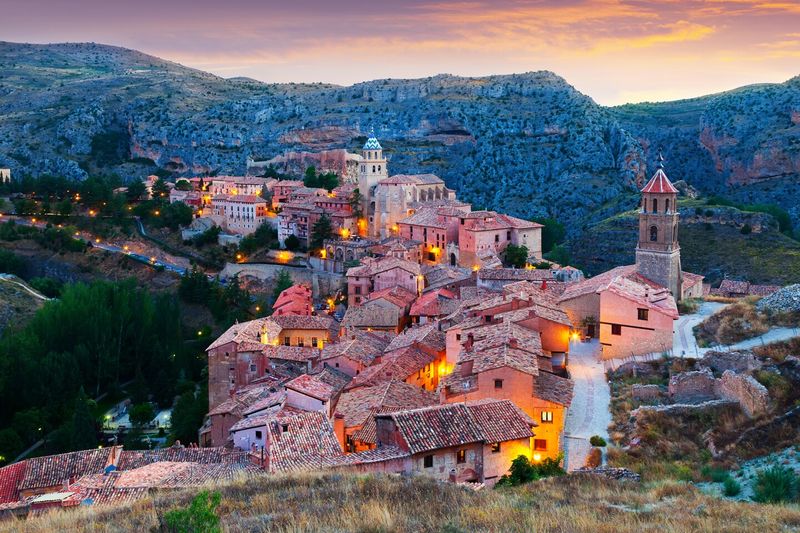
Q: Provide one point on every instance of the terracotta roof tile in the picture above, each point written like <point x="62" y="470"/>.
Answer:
<point x="52" y="470"/>
<point x="399" y="364"/>
<point x="553" y="388"/>
<point x="308" y="443"/>
<point x="660" y="184"/>
<point x="426" y="335"/>
<point x="10" y="478"/>
<point x="356" y="405"/>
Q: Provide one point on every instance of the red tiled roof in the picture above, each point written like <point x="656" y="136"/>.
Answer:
<point x="445" y="426"/>
<point x="357" y="405"/>
<point x="323" y="385"/>
<point x="438" y="302"/>
<point x="660" y="184"/>
<point x="309" y="442"/>
<point x="53" y="470"/>
<point x="399" y="296"/>
<point x="516" y="274"/>
<point x="10" y="478"/>
<point x="690" y="280"/>
<point x="426" y="335"/>
<point x="359" y="346"/>
<point x="626" y="282"/>
<point x="553" y="388"/>
<point x="136" y="459"/>
<point x="399" y="364"/>
<point x="372" y="267"/>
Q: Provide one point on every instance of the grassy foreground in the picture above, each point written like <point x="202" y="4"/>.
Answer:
<point x="331" y="502"/>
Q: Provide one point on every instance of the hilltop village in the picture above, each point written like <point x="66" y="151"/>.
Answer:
<point x="420" y="337"/>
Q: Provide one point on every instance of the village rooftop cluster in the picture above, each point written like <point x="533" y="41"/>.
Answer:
<point x="444" y="362"/>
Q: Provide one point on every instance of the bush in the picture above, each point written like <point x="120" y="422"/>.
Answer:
<point x="199" y="516"/>
<point x="775" y="485"/>
<point x="523" y="471"/>
<point x="597" y="440"/>
<point x="731" y="487"/>
<point x="292" y="243"/>
<point x="747" y="229"/>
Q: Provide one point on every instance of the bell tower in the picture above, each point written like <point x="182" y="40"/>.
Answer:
<point x="373" y="169"/>
<point x="658" y="254"/>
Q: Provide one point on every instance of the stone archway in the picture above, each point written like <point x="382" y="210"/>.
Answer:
<point x="453" y="259"/>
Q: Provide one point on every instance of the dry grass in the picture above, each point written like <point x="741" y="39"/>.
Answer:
<point x="778" y="351"/>
<point x="732" y="324"/>
<point x="382" y="503"/>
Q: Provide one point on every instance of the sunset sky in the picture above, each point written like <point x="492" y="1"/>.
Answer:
<point x="615" y="51"/>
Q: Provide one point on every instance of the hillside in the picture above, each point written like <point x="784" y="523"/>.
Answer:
<point x="382" y="503"/>
<point x="18" y="302"/>
<point x="712" y="244"/>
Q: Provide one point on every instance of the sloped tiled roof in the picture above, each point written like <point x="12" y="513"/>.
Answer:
<point x="382" y="264"/>
<point x="52" y="470"/>
<point x="516" y="274"/>
<point x="136" y="459"/>
<point x="309" y="442"/>
<point x="371" y="314"/>
<point x="396" y="365"/>
<point x="322" y="385"/>
<point x="356" y="405"/>
<point x="425" y="335"/>
<point x="553" y="388"/>
<point x="445" y="426"/>
<point x="10" y="478"/>
<point x="359" y="346"/>
<point x="399" y="296"/>
<point x="660" y="184"/>
<point x="439" y="302"/>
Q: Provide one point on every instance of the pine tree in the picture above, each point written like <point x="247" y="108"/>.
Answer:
<point x="322" y="230"/>
<point x="282" y="282"/>
<point x="83" y="435"/>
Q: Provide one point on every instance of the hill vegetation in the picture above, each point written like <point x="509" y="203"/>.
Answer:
<point x="332" y="502"/>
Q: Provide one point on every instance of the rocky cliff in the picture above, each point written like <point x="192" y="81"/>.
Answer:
<point x="529" y="144"/>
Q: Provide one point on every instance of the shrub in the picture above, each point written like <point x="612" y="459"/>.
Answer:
<point x="731" y="487"/>
<point x="597" y="440"/>
<point x="199" y="516"/>
<point x="523" y="471"/>
<point x="775" y="485"/>
<point x="746" y="229"/>
<point x="292" y="243"/>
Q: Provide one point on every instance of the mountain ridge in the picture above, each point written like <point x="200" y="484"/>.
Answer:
<point x="529" y="144"/>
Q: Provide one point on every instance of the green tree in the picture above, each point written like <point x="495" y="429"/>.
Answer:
<point x="266" y="195"/>
<point x="328" y="181"/>
<point x="559" y="254"/>
<point x="136" y="190"/>
<point x="355" y="203"/>
<point x="201" y="515"/>
<point x="553" y="233"/>
<point x="141" y="414"/>
<point x="83" y="433"/>
<point x="282" y="282"/>
<point x="10" y="445"/>
<point x="138" y="389"/>
<point x="187" y="416"/>
<point x="10" y="263"/>
<point x="310" y="177"/>
<point x="320" y="231"/>
<point x="160" y="189"/>
<point x="64" y="207"/>
<point x="516" y="256"/>
<point x="48" y="286"/>
<point x="291" y="242"/>
<point x="183" y="185"/>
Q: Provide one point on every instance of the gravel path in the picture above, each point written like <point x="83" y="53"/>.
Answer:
<point x="589" y="413"/>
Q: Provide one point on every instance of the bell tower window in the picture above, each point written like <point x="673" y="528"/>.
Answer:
<point x="655" y="205"/>
<point x="653" y="233"/>
<point x="666" y="206"/>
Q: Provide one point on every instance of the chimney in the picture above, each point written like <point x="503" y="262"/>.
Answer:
<point x="512" y="342"/>
<point x="470" y="342"/>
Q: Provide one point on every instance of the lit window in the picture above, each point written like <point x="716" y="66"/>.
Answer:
<point x="642" y="313"/>
<point x="427" y="461"/>
<point x="540" y="445"/>
<point x="616" y="329"/>
<point x="496" y="447"/>
<point x="287" y="341"/>
<point x="547" y="417"/>
<point x="461" y="456"/>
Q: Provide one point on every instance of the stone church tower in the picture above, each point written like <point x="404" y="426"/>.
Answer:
<point x="373" y="169"/>
<point x="658" y="255"/>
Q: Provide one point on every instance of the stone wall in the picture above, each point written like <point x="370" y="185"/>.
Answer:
<point x="751" y="395"/>
<point x="692" y="387"/>
<point x="645" y="392"/>
<point x="735" y="361"/>
<point x="321" y="282"/>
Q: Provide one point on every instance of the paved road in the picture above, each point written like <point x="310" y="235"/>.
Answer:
<point x="685" y="344"/>
<point x="152" y="261"/>
<point x="589" y="413"/>
<point x="10" y="279"/>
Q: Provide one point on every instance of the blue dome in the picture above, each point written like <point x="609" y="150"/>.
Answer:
<point x="372" y="144"/>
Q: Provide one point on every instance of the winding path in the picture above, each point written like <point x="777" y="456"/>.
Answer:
<point x="589" y="413"/>
<point x="10" y="279"/>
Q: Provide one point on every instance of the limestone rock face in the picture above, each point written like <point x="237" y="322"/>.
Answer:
<point x="751" y="395"/>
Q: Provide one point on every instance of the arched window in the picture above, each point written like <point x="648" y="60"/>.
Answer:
<point x="655" y="205"/>
<point x="666" y="206"/>
<point x="653" y="232"/>
<point x="379" y="168"/>
<point x="373" y="168"/>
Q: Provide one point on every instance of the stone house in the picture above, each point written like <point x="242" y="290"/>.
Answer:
<point x="437" y="229"/>
<point x="251" y="350"/>
<point x="240" y="214"/>
<point x="318" y="391"/>
<point x="381" y="273"/>
<point x="383" y="310"/>
<point x="629" y="314"/>
<point x="354" y="352"/>
<point x="472" y="442"/>
<point x="482" y="232"/>
<point x="296" y="300"/>
<point x="282" y="189"/>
